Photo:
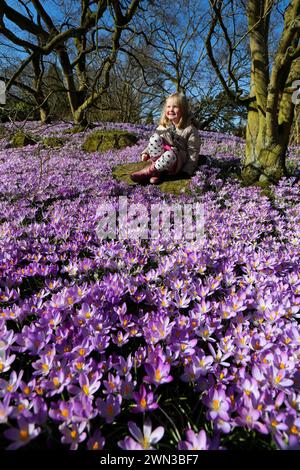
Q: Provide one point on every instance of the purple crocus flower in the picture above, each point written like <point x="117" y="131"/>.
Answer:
<point x="218" y="404"/>
<point x="61" y="411"/>
<point x="10" y="386"/>
<point x="73" y="434"/>
<point x="20" y="436"/>
<point x="159" y="373"/>
<point x="5" y="409"/>
<point x="112" y="384"/>
<point x="196" y="441"/>
<point x="249" y="418"/>
<point x="143" y="440"/>
<point x="127" y="387"/>
<point x="145" y="401"/>
<point x="110" y="407"/>
<point x="277" y="378"/>
<point x="96" y="441"/>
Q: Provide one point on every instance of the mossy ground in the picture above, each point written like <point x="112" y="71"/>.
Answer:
<point x="172" y="184"/>
<point x="21" y="139"/>
<point x="3" y="132"/>
<point x="102" y="141"/>
<point x="54" y="142"/>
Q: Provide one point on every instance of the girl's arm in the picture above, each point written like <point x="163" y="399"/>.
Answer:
<point x="145" y="154"/>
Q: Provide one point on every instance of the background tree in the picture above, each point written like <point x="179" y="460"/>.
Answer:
<point x="94" y="26"/>
<point x="272" y="73"/>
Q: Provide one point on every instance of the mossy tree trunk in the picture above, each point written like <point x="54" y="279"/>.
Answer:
<point x="271" y="110"/>
<point x="270" y="105"/>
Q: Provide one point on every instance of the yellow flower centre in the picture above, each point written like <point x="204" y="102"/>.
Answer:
<point x="56" y="382"/>
<point x="216" y="405"/>
<point x="65" y="412"/>
<point x="294" y="430"/>
<point x="82" y="352"/>
<point x="145" y="443"/>
<point x="278" y="378"/>
<point x="24" y="434"/>
<point x="143" y="403"/>
<point x="73" y="434"/>
<point x="86" y="389"/>
<point x="157" y="375"/>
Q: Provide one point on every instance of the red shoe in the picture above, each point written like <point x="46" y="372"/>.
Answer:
<point x="144" y="175"/>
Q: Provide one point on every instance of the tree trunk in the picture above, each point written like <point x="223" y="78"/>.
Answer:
<point x="265" y="158"/>
<point x="80" y="119"/>
<point x="270" y="112"/>
<point x="44" y="114"/>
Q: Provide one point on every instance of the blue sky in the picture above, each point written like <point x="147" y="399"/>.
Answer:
<point x="58" y="13"/>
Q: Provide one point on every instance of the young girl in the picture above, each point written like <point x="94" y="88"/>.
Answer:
<point x="175" y="145"/>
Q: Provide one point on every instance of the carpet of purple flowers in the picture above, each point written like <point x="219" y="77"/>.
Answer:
<point x="145" y="345"/>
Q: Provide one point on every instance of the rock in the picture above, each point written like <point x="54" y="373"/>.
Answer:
<point x="20" y="139"/>
<point x="54" y="142"/>
<point x="101" y="141"/>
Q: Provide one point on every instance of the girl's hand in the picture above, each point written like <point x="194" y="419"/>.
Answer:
<point x="145" y="157"/>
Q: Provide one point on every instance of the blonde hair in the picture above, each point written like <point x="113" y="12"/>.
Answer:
<point x="182" y="102"/>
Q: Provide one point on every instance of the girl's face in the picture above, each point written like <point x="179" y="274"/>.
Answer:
<point x="173" y="111"/>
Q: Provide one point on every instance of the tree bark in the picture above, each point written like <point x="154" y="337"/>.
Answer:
<point x="270" y="113"/>
<point x="270" y="104"/>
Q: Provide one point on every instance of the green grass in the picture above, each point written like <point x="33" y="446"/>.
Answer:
<point x="172" y="185"/>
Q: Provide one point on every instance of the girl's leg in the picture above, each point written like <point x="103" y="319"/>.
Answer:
<point x="167" y="161"/>
<point x="161" y="160"/>
<point x="156" y="146"/>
